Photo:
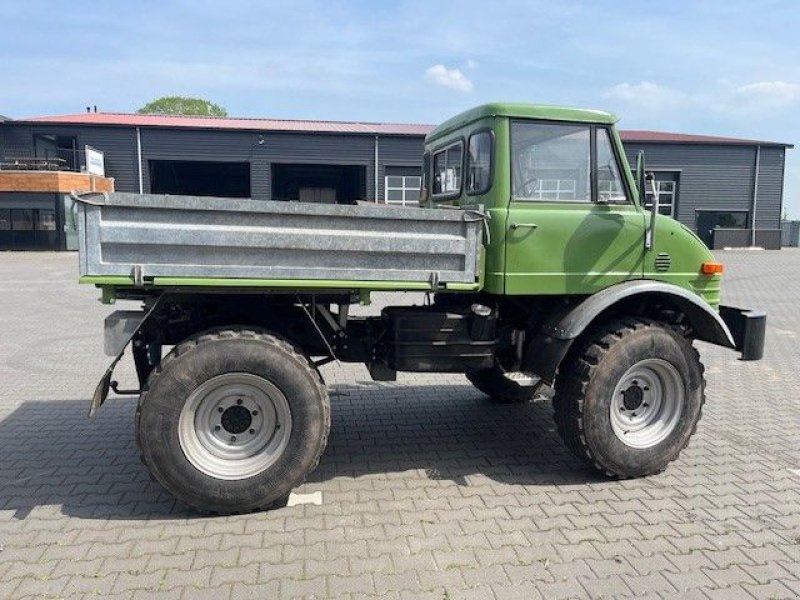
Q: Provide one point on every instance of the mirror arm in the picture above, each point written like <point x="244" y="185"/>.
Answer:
<point x="650" y="234"/>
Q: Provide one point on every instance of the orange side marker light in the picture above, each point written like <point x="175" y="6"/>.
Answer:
<point x="712" y="268"/>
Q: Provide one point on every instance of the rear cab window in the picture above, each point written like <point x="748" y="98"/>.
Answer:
<point x="447" y="170"/>
<point x="479" y="162"/>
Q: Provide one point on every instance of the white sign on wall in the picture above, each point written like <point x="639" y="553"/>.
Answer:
<point x="95" y="162"/>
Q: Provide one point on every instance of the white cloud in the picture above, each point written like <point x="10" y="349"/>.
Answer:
<point x="648" y="95"/>
<point x="769" y="94"/>
<point x="449" y="78"/>
<point x="722" y="98"/>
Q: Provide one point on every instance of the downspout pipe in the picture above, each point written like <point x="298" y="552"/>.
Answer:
<point x="139" y="159"/>
<point x="755" y="197"/>
<point x="376" y="170"/>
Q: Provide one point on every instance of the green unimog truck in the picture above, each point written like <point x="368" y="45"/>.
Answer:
<point x="543" y="268"/>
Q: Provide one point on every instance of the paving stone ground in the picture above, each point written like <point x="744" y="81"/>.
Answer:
<point x="428" y="490"/>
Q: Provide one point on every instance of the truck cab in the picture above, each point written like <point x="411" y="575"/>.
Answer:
<point x="566" y="212"/>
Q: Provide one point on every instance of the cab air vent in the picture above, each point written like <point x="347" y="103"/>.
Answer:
<point x="662" y="261"/>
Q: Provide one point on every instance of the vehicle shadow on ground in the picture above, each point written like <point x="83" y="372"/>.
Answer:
<point x="54" y="456"/>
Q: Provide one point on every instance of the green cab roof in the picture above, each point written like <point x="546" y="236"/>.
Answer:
<point x="517" y="110"/>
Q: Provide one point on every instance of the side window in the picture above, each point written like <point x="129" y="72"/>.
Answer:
<point x="609" y="182"/>
<point x="550" y="162"/>
<point x="447" y="170"/>
<point x="479" y="163"/>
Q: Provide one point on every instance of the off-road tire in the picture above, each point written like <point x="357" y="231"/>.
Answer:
<point x="499" y="388"/>
<point x="586" y="384"/>
<point x="208" y="355"/>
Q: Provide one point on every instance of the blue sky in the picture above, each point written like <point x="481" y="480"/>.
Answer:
<point x="728" y="68"/>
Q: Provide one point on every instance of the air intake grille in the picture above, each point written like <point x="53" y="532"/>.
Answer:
<point x="663" y="261"/>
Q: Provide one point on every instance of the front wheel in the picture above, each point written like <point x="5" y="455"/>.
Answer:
<point x="232" y="420"/>
<point x="629" y="397"/>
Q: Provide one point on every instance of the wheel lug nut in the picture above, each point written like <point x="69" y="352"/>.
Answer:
<point x="252" y="431"/>
<point x="220" y="409"/>
<point x="239" y="401"/>
<point x="216" y="428"/>
<point x="255" y="412"/>
<point x="233" y="438"/>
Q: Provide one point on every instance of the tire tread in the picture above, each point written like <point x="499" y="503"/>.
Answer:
<point x="579" y="368"/>
<point x="293" y="353"/>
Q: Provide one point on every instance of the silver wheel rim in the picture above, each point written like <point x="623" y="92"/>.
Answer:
<point x="234" y="426"/>
<point x="647" y="403"/>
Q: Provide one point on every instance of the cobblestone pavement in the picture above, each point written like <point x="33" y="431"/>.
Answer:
<point x="428" y="490"/>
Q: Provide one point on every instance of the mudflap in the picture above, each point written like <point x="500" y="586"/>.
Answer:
<point x="101" y="391"/>
<point x="104" y="385"/>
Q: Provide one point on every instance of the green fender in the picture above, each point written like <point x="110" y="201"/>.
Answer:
<point x="543" y="355"/>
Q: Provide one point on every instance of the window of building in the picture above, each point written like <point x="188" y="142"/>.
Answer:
<point x="402" y="189"/>
<point x="447" y="170"/>
<point x="23" y="218"/>
<point x="479" y="163"/>
<point x="47" y="220"/>
<point x="609" y="182"/>
<point x="709" y="220"/>
<point x="59" y="152"/>
<point x="550" y="162"/>
<point x="28" y="229"/>
<point x="667" y="185"/>
<point x="558" y="189"/>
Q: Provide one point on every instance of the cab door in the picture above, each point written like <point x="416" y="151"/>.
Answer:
<point x="572" y="226"/>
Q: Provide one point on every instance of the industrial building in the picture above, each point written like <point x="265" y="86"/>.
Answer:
<point x="730" y="191"/>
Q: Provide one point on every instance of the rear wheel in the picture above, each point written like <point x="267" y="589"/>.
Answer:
<point x="500" y="389"/>
<point x="232" y="420"/>
<point x="629" y="397"/>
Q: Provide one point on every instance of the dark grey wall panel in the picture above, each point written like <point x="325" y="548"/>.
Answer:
<point x="118" y="144"/>
<point x="192" y="144"/>
<point x="18" y="140"/>
<point x="260" y="149"/>
<point x="710" y="176"/>
<point x="770" y="188"/>
<point x="719" y="177"/>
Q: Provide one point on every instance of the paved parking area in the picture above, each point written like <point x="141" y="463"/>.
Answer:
<point x="428" y="491"/>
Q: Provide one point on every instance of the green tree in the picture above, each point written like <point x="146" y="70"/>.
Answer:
<point x="182" y="105"/>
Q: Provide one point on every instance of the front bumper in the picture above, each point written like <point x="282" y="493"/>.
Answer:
<point x="748" y="328"/>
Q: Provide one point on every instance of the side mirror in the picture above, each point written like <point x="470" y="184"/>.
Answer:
<point x="640" y="175"/>
<point x="424" y="184"/>
<point x="649" y="236"/>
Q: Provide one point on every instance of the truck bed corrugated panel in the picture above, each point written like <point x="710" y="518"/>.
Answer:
<point x="201" y="237"/>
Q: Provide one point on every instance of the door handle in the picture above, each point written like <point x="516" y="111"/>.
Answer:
<point x="520" y="225"/>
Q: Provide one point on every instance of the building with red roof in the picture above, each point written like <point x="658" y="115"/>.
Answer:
<point x="720" y="187"/>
